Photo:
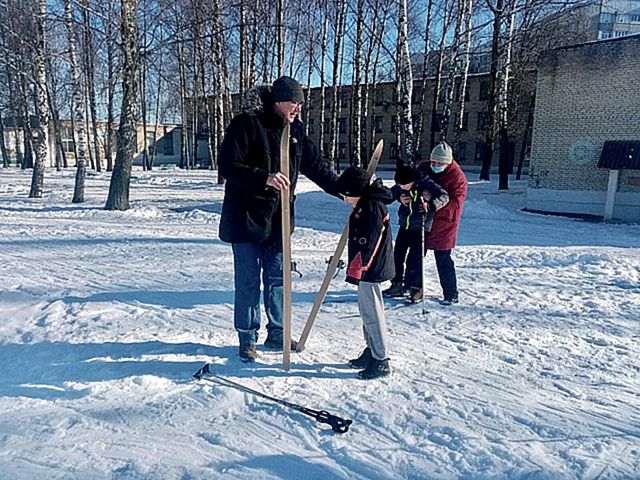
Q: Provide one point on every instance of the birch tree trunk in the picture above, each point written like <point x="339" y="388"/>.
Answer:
<point x="111" y="86"/>
<point x="340" y="6"/>
<point x="438" y="81"/>
<point x="3" y="145"/>
<point x="219" y="85"/>
<point x="425" y="75"/>
<point x="78" y="108"/>
<point x="356" y="98"/>
<point x="280" y="27"/>
<point x="126" y="138"/>
<point x="91" y="84"/>
<point x="242" y="61"/>
<point x="323" y="90"/>
<point x="453" y="68"/>
<point x="503" y="107"/>
<point x="464" y="74"/>
<point x="404" y="79"/>
<point x="42" y="109"/>
<point x="490" y="132"/>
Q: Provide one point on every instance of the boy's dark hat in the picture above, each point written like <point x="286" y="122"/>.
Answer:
<point x="353" y="181"/>
<point x="405" y="174"/>
<point x="287" y="89"/>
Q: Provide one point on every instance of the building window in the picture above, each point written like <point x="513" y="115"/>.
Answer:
<point x="167" y="140"/>
<point x="417" y="94"/>
<point x="342" y="125"/>
<point x="67" y="140"/>
<point x="465" y="121"/>
<point x="342" y="150"/>
<point x="379" y="96"/>
<point x="481" y="149"/>
<point x="619" y="34"/>
<point x="607" y="18"/>
<point x="457" y="93"/>
<point x="436" y="122"/>
<point x="603" y="35"/>
<point x="483" y="120"/>
<point x="344" y="100"/>
<point x="394" y="151"/>
<point x="394" y="124"/>
<point x="484" y="91"/>
<point x="151" y="141"/>
<point x="311" y="124"/>
<point x="461" y="152"/>
<point x="377" y="123"/>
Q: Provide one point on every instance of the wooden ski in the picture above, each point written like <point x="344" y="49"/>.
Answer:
<point x="335" y="259"/>
<point x="285" y="204"/>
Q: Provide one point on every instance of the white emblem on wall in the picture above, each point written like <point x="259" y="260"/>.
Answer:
<point x="582" y="153"/>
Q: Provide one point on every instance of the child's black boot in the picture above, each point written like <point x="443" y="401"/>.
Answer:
<point x="375" y="369"/>
<point x="363" y="360"/>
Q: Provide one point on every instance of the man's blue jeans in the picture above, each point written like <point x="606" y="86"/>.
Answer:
<point x="249" y="261"/>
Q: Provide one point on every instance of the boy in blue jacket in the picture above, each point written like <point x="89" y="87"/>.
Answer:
<point x="415" y="216"/>
<point x="370" y="263"/>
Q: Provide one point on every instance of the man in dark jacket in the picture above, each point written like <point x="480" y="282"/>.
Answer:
<point x="370" y="263"/>
<point x="446" y="172"/>
<point x="251" y="212"/>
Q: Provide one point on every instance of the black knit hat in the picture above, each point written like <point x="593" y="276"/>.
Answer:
<point x="287" y="89"/>
<point x="405" y="174"/>
<point x="353" y="181"/>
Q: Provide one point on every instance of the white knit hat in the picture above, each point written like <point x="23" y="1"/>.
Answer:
<point x="442" y="153"/>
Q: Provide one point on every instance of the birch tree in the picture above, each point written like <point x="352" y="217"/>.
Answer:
<point x="339" y="22"/>
<point x="42" y="107"/>
<point x="126" y="138"/>
<point x="404" y="79"/>
<point x="78" y="107"/>
<point x="464" y="74"/>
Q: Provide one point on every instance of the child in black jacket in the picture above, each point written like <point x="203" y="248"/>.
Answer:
<point x="370" y="263"/>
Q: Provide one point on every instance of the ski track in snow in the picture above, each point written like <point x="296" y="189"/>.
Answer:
<point x="104" y="317"/>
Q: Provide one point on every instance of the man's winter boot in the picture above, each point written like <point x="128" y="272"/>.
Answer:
<point x="415" y="294"/>
<point x="248" y="352"/>
<point x="274" y="342"/>
<point x="395" y="290"/>
<point x="448" y="301"/>
<point x="363" y="360"/>
<point x="375" y="369"/>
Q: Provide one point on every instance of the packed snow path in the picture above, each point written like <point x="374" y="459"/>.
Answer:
<point x="104" y="317"/>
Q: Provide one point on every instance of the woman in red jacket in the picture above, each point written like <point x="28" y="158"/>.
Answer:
<point x="446" y="172"/>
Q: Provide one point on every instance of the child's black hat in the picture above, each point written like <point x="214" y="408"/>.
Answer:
<point x="405" y="174"/>
<point x="353" y="181"/>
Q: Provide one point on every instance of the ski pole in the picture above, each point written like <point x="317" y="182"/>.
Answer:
<point x="338" y="425"/>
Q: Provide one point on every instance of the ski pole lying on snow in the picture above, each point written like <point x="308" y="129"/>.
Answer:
<point x="338" y="425"/>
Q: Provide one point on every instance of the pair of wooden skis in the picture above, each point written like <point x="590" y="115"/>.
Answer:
<point x="285" y="199"/>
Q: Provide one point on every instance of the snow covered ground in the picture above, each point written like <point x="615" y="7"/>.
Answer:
<point x="104" y="317"/>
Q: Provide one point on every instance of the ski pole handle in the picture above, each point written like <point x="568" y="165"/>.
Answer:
<point x="338" y="425"/>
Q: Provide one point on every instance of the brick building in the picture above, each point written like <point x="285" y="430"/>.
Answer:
<point x="587" y="98"/>
<point x="168" y="144"/>
<point x="381" y="119"/>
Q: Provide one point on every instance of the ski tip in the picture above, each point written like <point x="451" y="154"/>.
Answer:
<point x="202" y="371"/>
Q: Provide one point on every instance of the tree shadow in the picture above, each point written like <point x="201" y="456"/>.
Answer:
<point x="193" y="298"/>
<point x="52" y="370"/>
<point x="47" y="370"/>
